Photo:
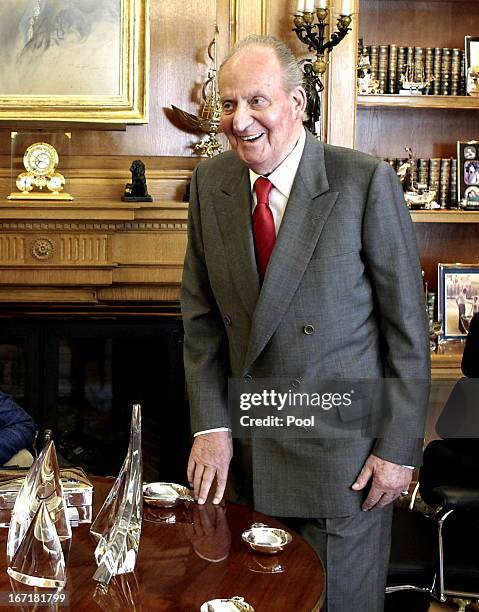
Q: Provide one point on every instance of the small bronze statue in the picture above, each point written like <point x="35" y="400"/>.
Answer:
<point x="137" y="190"/>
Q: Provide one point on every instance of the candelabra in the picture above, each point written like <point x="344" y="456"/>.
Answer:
<point x="313" y="35"/>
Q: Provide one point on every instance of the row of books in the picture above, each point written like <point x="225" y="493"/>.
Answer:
<point x="441" y="67"/>
<point x="435" y="173"/>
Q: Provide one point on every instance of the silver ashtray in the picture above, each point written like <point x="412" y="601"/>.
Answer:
<point x="264" y="539"/>
<point x="165" y="494"/>
<point x="234" y="604"/>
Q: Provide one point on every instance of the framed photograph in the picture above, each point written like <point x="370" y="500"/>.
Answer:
<point x="74" y="61"/>
<point x="458" y="288"/>
<point x="468" y="171"/>
<point x="472" y="65"/>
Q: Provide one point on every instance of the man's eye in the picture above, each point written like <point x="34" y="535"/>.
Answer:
<point x="227" y="107"/>
<point x="257" y="101"/>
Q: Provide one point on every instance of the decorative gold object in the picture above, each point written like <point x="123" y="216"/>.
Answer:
<point x="314" y="36"/>
<point x="40" y="161"/>
<point x="209" y="120"/>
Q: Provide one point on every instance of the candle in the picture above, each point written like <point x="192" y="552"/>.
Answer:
<point x="346" y="7"/>
<point x="321" y="4"/>
<point x="300" y="7"/>
<point x="309" y="6"/>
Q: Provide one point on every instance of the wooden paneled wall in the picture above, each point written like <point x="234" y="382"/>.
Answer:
<point x="180" y="33"/>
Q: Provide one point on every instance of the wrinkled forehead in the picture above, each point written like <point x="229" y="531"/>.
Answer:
<point x="252" y="62"/>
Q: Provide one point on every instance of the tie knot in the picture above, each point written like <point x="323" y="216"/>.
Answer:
<point x="262" y="188"/>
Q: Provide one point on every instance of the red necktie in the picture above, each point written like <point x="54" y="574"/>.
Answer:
<point x="263" y="225"/>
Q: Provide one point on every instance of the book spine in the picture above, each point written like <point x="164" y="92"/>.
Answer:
<point x="423" y="171"/>
<point x="392" y="74"/>
<point x="463" y="90"/>
<point x="401" y="66"/>
<point x="446" y="72"/>
<point x="374" y="60"/>
<point x="444" y="180"/>
<point x="453" y="185"/>
<point x="434" y="172"/>
<point x="429" y="68"/>
<point x="437" y="71"/>
<point x="455" y="72"/>
<point x="383" y="68"/>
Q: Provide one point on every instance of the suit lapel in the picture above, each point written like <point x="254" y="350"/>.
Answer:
<point x="233" y="207"/>
<point x="308" y="208"/>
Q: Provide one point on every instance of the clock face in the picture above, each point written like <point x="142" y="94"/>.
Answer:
<point x="25" y="182"/>
<point x="56" y="182"/>
<point x="40" y="158"/>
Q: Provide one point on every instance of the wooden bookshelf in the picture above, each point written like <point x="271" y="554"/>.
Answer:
<point x="445" y="216"/>
<point x="400" y="101"/>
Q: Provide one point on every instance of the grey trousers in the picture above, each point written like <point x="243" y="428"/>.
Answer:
<point x="355" y="552"/>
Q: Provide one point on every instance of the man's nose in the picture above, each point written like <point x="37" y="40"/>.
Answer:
<point x="242" y="119"/>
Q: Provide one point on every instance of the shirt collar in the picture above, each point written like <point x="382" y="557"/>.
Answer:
<point x="283" y="176"/>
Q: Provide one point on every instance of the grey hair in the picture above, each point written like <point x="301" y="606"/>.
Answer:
<point x="293" y="76"/>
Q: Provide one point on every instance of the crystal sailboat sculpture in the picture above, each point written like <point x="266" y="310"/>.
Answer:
<point x="118" y="524"/>
<point x="42" y="484"/>
<point x="39" y="560"/>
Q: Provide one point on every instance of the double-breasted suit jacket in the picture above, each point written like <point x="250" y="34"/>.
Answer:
<point x="345" y="263"/>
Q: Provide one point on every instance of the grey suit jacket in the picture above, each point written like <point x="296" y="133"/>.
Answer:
<point x="346" y="263"/>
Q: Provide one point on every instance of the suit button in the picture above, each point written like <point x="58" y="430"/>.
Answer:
<point x="295" y="383"/>
<point x="308" y="330"/>
<point x="247" y="378"/>
<point x="227" y="320"/>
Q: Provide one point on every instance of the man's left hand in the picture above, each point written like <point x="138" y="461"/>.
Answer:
<point x="388" y="481"/>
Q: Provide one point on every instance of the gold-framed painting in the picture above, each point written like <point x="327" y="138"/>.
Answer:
<point x="84" y="61"/>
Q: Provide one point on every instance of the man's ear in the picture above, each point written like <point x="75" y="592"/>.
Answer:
<point x="299" y="100"/>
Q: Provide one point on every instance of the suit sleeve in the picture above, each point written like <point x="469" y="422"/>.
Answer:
<point x="205" y="344"/>
<point x="392" y="261"/>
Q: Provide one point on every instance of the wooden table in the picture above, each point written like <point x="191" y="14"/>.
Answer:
<point x="181" y="565"/>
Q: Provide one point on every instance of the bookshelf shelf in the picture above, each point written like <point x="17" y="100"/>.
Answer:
<point x="399" y="101"/>
<point x="445" y="216"/>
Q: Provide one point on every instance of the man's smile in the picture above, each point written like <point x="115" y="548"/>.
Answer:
<point x="251" y="137"/>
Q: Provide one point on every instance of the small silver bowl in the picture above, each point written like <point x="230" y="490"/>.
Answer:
<point x="234" y="604"/>
<point x="165" y="494"/>
<point x="264" y="539"/>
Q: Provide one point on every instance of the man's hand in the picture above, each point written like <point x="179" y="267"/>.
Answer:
<point x="210" y="456"/>
<point x="388" y="481"/>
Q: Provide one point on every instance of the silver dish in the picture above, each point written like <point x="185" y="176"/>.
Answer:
<point x="264" y="539"/>
<point x="165" y="494"/>
<point x="234" y="604"/>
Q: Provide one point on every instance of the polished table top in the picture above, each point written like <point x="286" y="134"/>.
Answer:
<point x="182" y="564"/>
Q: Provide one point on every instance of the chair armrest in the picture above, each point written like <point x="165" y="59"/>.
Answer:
<point x="457" y="497"/>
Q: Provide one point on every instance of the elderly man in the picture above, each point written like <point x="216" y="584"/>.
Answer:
<point x="301" y="264"/>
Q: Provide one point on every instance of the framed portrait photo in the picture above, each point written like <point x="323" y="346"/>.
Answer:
<point x="77" y="61"/>
<point x="458" y="288"/>
<point x="471" y="44"/>
<point x="468" y="171"/>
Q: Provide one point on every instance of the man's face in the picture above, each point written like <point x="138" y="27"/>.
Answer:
<point x="260" y="119"/>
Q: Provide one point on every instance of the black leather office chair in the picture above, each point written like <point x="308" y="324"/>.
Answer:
<point x="438" y="554"/>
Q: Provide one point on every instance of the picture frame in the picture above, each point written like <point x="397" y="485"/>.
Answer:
<point x="75" y="62"/>
<point x="458" y="289"/>
<point x="471" y="44"/>
<point x="468" y="172"/>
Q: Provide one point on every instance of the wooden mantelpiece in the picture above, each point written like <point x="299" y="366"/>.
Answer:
<point x="97" y="249"/>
